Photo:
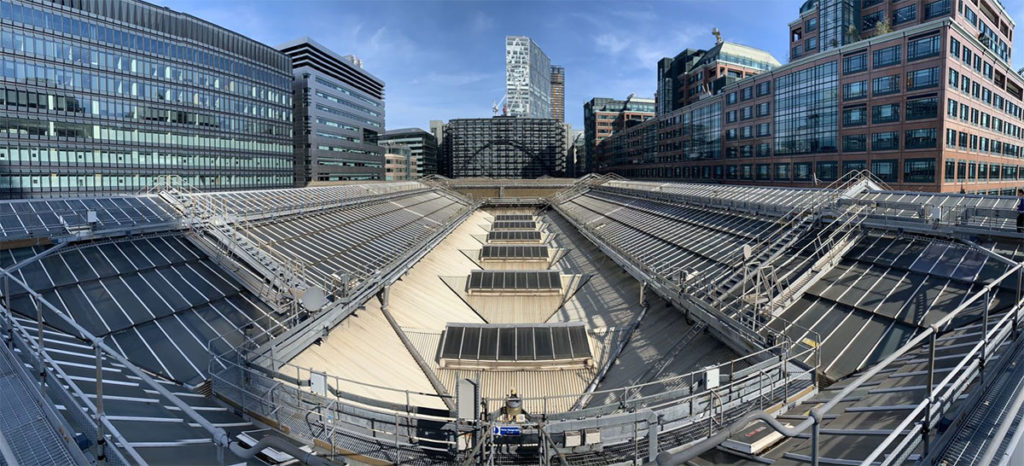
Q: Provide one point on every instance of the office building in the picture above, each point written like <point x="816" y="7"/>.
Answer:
<point x="558" y="93"/>
<point x="695" y="74"/>
<point x="422" y="145"/>
<point x="527" y="78"/>
<point x="339" y="115"/>
<point x="399" y="163"/>
<point x="926" y="101"/>
<point x="602" y="116"/>
<point x="505" y="147"/>
<point x="118" y="96"/>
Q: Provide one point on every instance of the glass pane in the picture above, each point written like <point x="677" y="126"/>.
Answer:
<point x="489" y="343"/>
<point x="542" y="336"/>
<point x="524" y="344"/>
<point x="578" y="338"/>
<point x="471" y="343"/>
<point x="507" y="344"/>
<point x="452" y="343"/>
<point x="560" y="340"/>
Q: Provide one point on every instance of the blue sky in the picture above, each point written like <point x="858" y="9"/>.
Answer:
<point x="446" y="59"/>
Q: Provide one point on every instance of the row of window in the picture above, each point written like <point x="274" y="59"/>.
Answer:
<point x="82" y="158"/>
<point x="128" y="110"/>
<point x="82" y="29"/>
<point x="13" y="128"/>
<point x="917" y="108"/>
<point x="970" y="172"/>
<point x="49" y="76"/>
<point x="975" y="143"/>
<point x="77" y="184"/>
<point x="74" y="53"/>
<point x="916" y="170"/>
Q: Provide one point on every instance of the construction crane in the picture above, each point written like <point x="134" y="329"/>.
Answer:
<point x="500" y="104"/>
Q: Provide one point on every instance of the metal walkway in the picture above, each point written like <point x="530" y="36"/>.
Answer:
<point x="25" y="423"/>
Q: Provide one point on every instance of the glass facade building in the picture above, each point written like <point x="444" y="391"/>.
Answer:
<point x="422" y="146"/>
<point x="116" y="96"/>
<point x="339" y="116"/>
<point x="922" y="94"/>
<point x="527" y="78"/>
<point x="505" y="147"/>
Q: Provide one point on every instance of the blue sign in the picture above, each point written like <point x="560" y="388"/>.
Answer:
<point x="501" y="431"/>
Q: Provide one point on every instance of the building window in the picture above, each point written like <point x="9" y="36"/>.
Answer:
<point x="764" y="171"/>
<point x="811" y="25"/>
<point x="885" y="170"/>
<point x="764" y="88"/>
<point x="731" y="173"/>
<point x="855" y="116"/>
<point x="855" y="143"/>
<point x="887" y="57"/>
<point x="923" y="107"/>
<point x="855" y="90"/>
<point x="730" y="98"/>
<point x="802" y="171"/>
<point x="747" y="93"/>
<point x="919" y="170"/>
<point x="730" y="134"/>
<point x="731" y="153"/>
<point x="855" y="63"/>
<point x="854" y="166"/>
<point x="920" y="139"/>
<point x="923" y="79"/>
<point x="951" y="138"/>
<point x="746" y="172"/>
<point x="764" y="150"/>
<point x="763" y="129"/>
<point x="904" y="15"/>
<point x="885" y="85"/>
<point x="954" y="78"/>
<point x="806" y="111"/>
<point x="950" y="171"/>
<point x="885" y="141"/>
<point x="887" y="113"/>
<point x="828" y="171"/>
<point x="746" y="151"/>
<point x="812" y="43"/>
<point x="782" y="172"/>
<point x="730" y="116"/>
<point x="871" y="20"/>
<point x="763" y="109"/>
<point x="746" y="113"/>
<point x="936" y="9"/>
<point x="924" y="48"/>
<point x="746" y="132"/>
<point x="954" y="47"/>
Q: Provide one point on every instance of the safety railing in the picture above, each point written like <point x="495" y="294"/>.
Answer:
<point x="940" y="398"/>
<point x="47" y="367"/>
<point x="337" y="420"/>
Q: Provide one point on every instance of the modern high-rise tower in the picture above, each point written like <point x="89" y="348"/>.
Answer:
<point x="558" y="93"/>
<point x="527" y="78"/>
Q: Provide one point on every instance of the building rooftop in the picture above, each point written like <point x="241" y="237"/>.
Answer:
<point x="330" y="316"/>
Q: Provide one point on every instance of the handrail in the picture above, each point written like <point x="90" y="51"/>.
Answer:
<point x="817" y="413"/>
<point x="219" y="435"/>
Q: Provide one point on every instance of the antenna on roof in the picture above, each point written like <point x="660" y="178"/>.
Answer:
<point x="718" y="35"/>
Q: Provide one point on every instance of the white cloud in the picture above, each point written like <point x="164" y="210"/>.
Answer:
<point x="611" y="43"/>
<point x="481" y="22"/>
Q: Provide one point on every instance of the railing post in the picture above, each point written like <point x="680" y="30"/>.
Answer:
<point x="40" y="346"/>
<point x="931" y="392"/>
<point x="101" y="440"/>
<point x="815" y="430"/>
<point x="984" y="338"/>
